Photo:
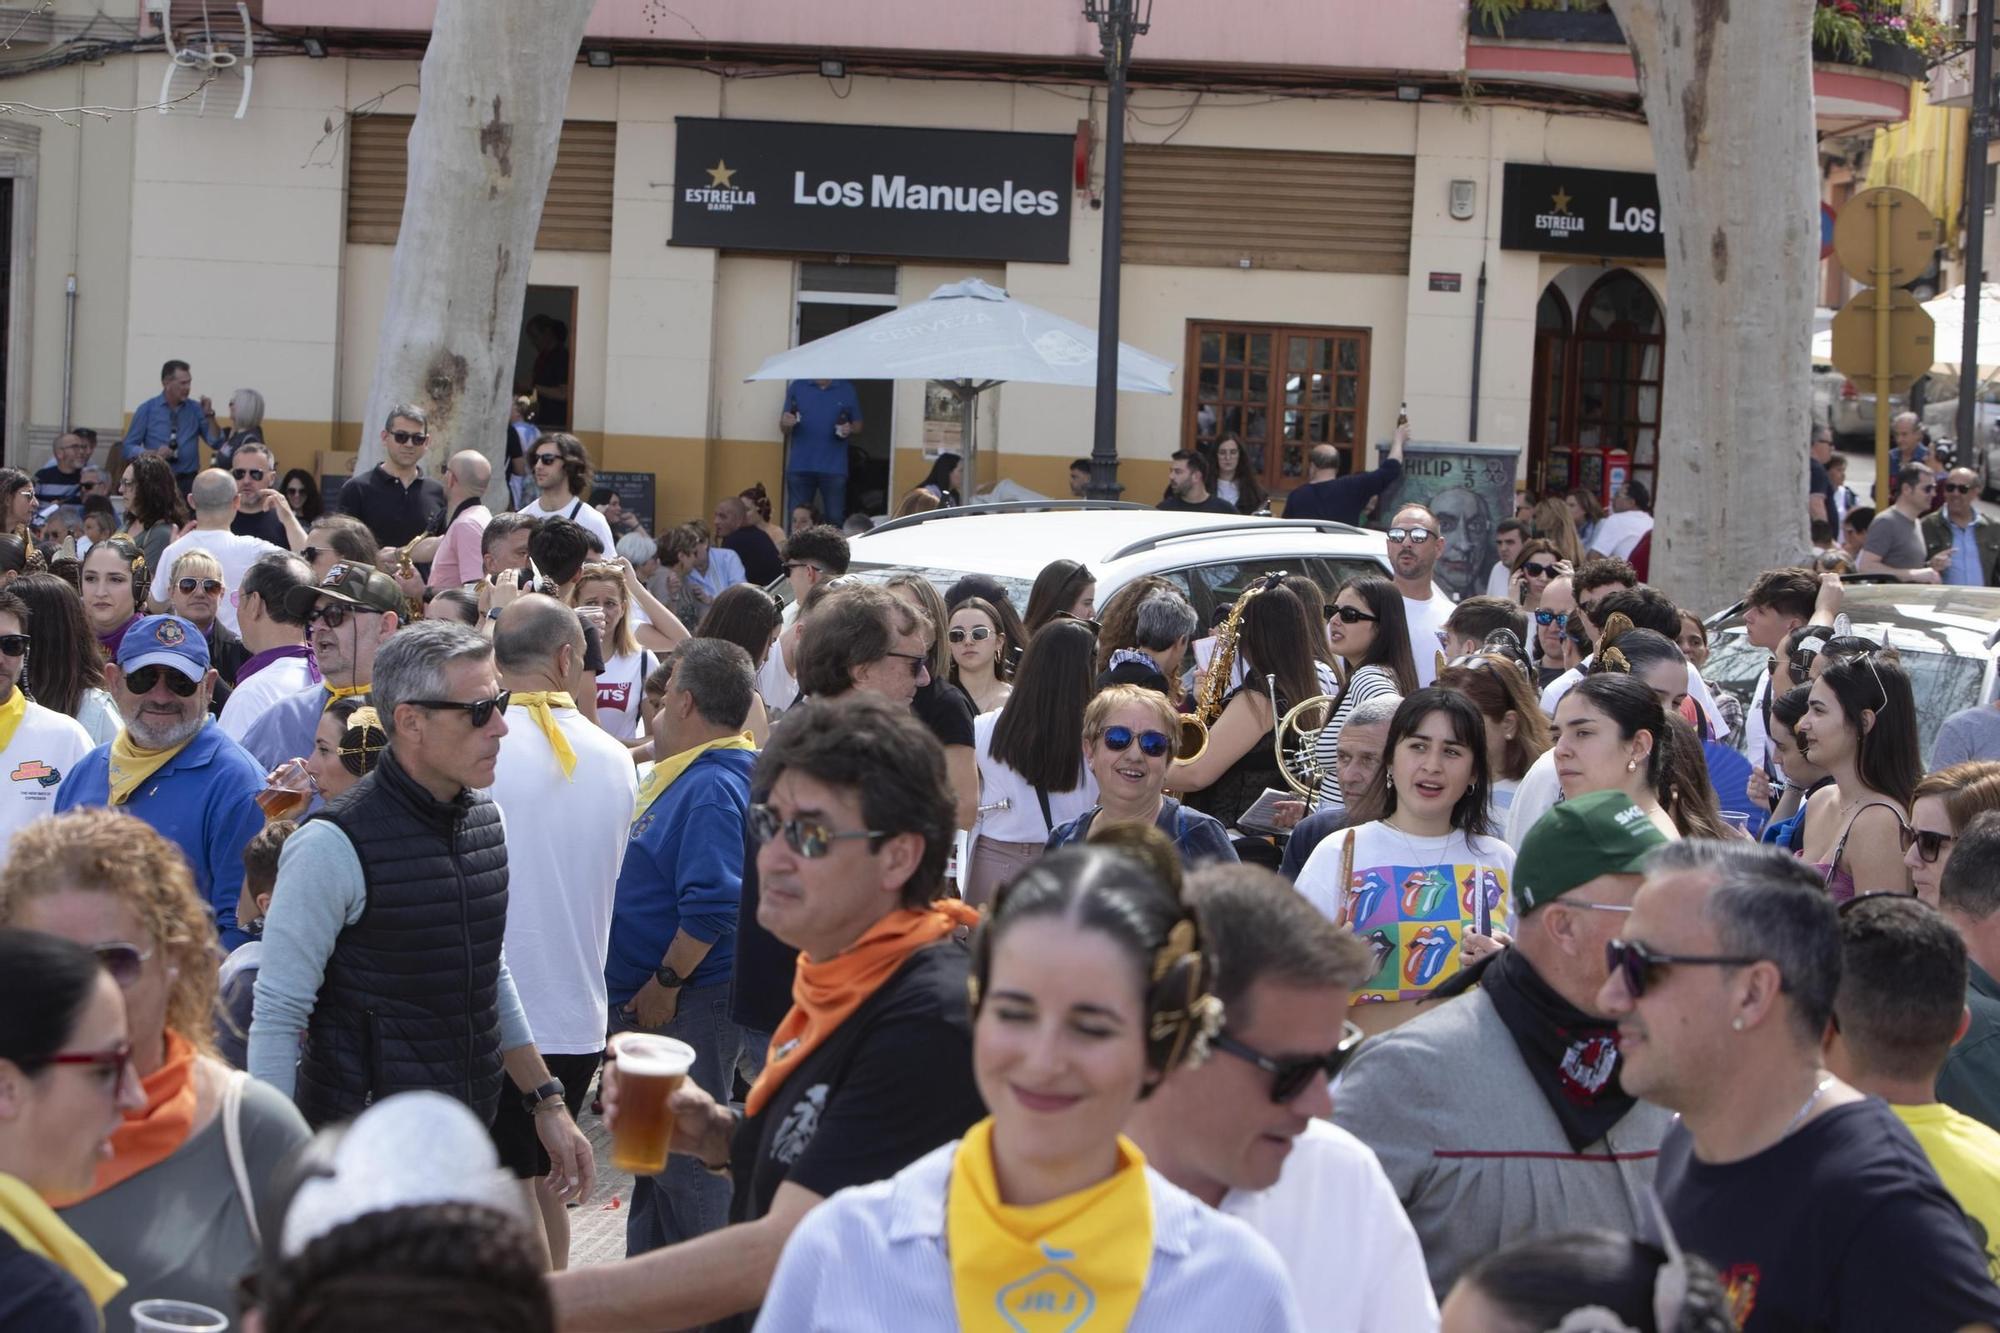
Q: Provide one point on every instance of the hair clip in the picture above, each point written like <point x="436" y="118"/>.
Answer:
<point x="1180" y="943"/>
<point x="1615" y="661"/>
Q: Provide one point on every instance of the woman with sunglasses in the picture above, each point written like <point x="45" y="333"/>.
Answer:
<point x="1032" y="777"/>
<point x="153" y="506"/>
<point x="1064" y="587"/>
<point x="66" y="1082"/>
<point x="302" y="494"/>
<point x="1128" y="741"/>
<point x="1861" y="727"/>
<point x="1538" y="563"/>
<point x="65" y="667"/>
<point x="114" y="590"/>
<point x="194" y="593"/>
<point x="979" y="654"/>
<point x="1946" y="801"/>
<point x="1236" y="481"/>
<point x="166" y="1209"/>
<point x="1370" y="636"/>
<point x="1089" y="985"/>
<point x="939" y="704"/>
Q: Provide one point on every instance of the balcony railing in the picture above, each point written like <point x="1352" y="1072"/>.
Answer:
<point x="1600" y="27"/>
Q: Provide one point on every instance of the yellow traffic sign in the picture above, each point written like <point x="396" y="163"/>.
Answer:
<point x="1914" y="235"/>
<point x="1910" y="337"/>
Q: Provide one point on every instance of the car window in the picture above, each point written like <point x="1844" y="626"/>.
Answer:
<point x="1214" y="588"/>
<point x="942" y="579"/>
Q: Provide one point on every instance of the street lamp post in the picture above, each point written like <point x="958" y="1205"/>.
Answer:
<point x="1118" y="23"/>
<point x="1976" y="204"/>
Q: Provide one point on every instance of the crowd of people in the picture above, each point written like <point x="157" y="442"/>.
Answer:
<point x="1017" y="984"/>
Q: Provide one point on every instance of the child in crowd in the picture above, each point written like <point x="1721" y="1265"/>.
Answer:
<point x="236" y="985"/>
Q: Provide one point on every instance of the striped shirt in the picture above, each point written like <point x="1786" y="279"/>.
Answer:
<point x="873" y="1258"/>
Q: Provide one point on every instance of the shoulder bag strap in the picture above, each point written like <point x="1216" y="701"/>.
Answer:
<point x="575" y="509"/>
<point x="232" y="1139"/>
<point x="1043" y="798"/>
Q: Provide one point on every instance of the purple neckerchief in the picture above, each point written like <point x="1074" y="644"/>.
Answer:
<point x="116" y="637"/>
<point x="269" y="655"/>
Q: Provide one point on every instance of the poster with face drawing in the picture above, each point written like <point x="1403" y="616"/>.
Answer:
<point x="1470" y="487"/>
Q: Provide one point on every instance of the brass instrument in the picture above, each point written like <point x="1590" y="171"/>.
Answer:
<point x="1193" y="737"/>
<point x="406" y="568"/>
<point x="1301" y="768"/>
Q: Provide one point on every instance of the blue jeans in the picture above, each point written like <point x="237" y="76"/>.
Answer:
<point x="832" y="488"/>
<point x="685" y="1201"/>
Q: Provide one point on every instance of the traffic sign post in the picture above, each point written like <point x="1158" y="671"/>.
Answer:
<point x="1882" y="334"/>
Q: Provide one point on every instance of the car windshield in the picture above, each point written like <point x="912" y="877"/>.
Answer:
<point x="942" y="579"/>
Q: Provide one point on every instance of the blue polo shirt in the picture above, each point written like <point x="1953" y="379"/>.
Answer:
<point x="203" y="800"/>
<point x="683" y="870"/>
<point x="1964" y="570"/>
<point x="815" y="448"/>
<point x="172" y="430"/>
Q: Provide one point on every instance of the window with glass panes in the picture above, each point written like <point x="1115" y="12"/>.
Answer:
<point x="1280" y="390"/>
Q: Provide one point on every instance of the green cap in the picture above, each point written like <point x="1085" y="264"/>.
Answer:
<point x="1602" y="833"/>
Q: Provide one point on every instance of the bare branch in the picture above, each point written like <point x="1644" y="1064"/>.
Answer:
<point x="63" y="114"/>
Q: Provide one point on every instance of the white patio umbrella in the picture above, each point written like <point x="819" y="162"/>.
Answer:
<point x="970" y="336"/>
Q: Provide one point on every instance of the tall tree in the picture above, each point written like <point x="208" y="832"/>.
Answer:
<point x="494" y="86"/>
<point x="1728" y="93"/>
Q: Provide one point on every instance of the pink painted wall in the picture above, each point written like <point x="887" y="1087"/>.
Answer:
<point x="1415" y="35"/>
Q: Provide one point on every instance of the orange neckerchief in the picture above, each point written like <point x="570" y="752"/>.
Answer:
<point x="153" y="1135"/>
<point x="825" y="994"/>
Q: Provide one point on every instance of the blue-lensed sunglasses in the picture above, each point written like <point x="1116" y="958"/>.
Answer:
<point x="1152" y="744"/>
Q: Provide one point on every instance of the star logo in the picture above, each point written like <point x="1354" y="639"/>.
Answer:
<point x="1561" y="201"/>
<point x="722" y="176"/>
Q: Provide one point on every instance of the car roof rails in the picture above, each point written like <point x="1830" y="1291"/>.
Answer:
<point x="1006" y="507"/>
<point x="1325" y="525"/>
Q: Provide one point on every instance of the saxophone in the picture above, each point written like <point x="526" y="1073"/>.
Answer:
<point x="1214" y="689"/>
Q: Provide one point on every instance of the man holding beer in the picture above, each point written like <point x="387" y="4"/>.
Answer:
<point x="872" y="1066"/>
<point x="383" y="946"/>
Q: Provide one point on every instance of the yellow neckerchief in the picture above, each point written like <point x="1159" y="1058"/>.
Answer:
<point x="1075" y="1263"/>
<point x="131" y="765"/>
<point x="541" y="705"/>
<point x="335" y="693"/>
<point x="11" y="714"/>
<point x="37" y="1229"/>
<point x="666" y="770"/>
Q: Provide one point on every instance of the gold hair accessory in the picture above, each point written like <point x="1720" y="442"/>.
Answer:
<point x="1193" y="1028"/>
<point x="972" y="993"/>
<point x="1180" y="943"/>
<point x="1617" y="627"/>
<point x="1441" y="663"/>
<point x="1615" y="661"/>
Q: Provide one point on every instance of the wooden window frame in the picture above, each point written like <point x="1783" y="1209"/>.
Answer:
<point x="1275" y="483"/>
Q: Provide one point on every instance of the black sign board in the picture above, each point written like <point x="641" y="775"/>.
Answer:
<point x="635" y="493"/>
<point x="872" y="190"/>
<point x="1570" y="210"/>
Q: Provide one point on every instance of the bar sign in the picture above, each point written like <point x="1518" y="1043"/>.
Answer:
<point x="1446" y="282"/>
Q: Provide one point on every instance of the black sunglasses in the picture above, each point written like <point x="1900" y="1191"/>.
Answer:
<point x="1152" y="744"/>
<point x="330" y="614"/>
<point x="295" y="489"/>
<point x="1929" y="843"/>
<point x="1639" y="967"/>
<point x="1093" y="626"/>
<point x="1535" y="569"/>
<point x="209" y="586"/>
<point x="409" y="436"/>
<point x="806" y="837"/>
<point x="548" y="458"/>
<point x="478" y="711"/>
<point x="123" y="961"/>
<point x="1347" y="615"/>
<point x="1293" y="1074"/>
<point x="145" y="678"/>
<point x="14" y="645"/>
<point x="978" y="634"/>
<point x="919" y="663"/>
<point x="1954" y="488"/>
<point x="254" y="473"/>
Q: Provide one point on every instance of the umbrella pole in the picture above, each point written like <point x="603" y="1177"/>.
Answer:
<point x="968" y="402"/>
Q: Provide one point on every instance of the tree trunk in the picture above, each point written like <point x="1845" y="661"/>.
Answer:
<point x="495" y="83"/>
<point x="1729" y="98"/>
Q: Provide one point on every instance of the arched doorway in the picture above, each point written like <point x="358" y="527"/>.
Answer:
<point x="1597" y="383"/>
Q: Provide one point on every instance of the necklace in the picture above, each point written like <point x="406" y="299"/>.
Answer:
<point x="1806" y="1110"/>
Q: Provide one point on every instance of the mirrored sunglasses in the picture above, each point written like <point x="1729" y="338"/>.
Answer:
<point x="1152" y="744"/>
<point x="806" y="837"/>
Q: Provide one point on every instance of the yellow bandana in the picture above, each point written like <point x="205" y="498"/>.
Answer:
<point x="335" y="693"/>
<point x="37" y="1229"/>
<point x="11" y="714"/>
<point x="131" y="765"/>
<point x="541" y="705"/>
<point x="1076" y="1263"/>
<point x="666" y="770"/>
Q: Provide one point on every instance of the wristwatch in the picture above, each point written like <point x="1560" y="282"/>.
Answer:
<point x="493" y="614"/>
<point x="668" y="978"/>
<point x="541" y="1096"/>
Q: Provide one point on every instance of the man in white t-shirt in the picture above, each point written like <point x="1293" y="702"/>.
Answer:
<point x="1245" y="1131"/>
<point x="1631" y="518"/>
<point x="818" y="553"/>
<point x="37" y="744"/>
<point x="280" y="664"/>
<point x="557" y="771"/>
<point x="215" y="499"/>
<point x="562" y="472"/>
<point x="1414" y="548"/>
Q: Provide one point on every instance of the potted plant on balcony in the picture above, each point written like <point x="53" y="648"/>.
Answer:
<point x="1883" y="34"/>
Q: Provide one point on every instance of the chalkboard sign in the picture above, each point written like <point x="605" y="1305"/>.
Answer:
<point x="635" y="493"/>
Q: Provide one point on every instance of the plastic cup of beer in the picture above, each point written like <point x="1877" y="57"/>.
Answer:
<point x="650" y="1070"/>
<point x="288" y="791"/>
<point x="177" y="1317"/>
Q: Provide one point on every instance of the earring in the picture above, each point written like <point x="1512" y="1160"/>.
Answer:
<point x="1631" y="765"/>
<point x="1736" y="1025"/>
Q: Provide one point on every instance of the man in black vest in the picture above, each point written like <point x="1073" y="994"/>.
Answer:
<point x="387" y="959"/>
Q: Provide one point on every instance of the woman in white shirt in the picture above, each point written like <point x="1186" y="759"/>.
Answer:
<point x="1032" y="778"/>
<point x="1089" y="985"/>
<point x="1371" y="637"/>
<point x="625" y="662"/>
<point x="1420" y="867"/>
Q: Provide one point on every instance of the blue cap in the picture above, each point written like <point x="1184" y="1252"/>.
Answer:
<point x="165" y="641"/>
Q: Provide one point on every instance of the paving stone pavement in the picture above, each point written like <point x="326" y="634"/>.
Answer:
<point x="597" y="1225"/>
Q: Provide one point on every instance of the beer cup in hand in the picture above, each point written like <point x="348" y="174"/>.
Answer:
<point x="650" y="1070"/>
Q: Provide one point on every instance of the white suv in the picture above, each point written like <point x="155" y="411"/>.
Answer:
<point x="1211" y="557"/>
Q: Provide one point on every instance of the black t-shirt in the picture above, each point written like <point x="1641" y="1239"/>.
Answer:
<point x="1343" y="498"/>
<point x="395" y="513"/>
<point x="38" y="1297"/>
<point x="1214" y="504"/>
<point x="943" y="707"/>
<point x="263" y="525"/>
<point x="761" y="562"/>
<point x="1842" y="1226"/>
<point x="1820" y="484"/>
